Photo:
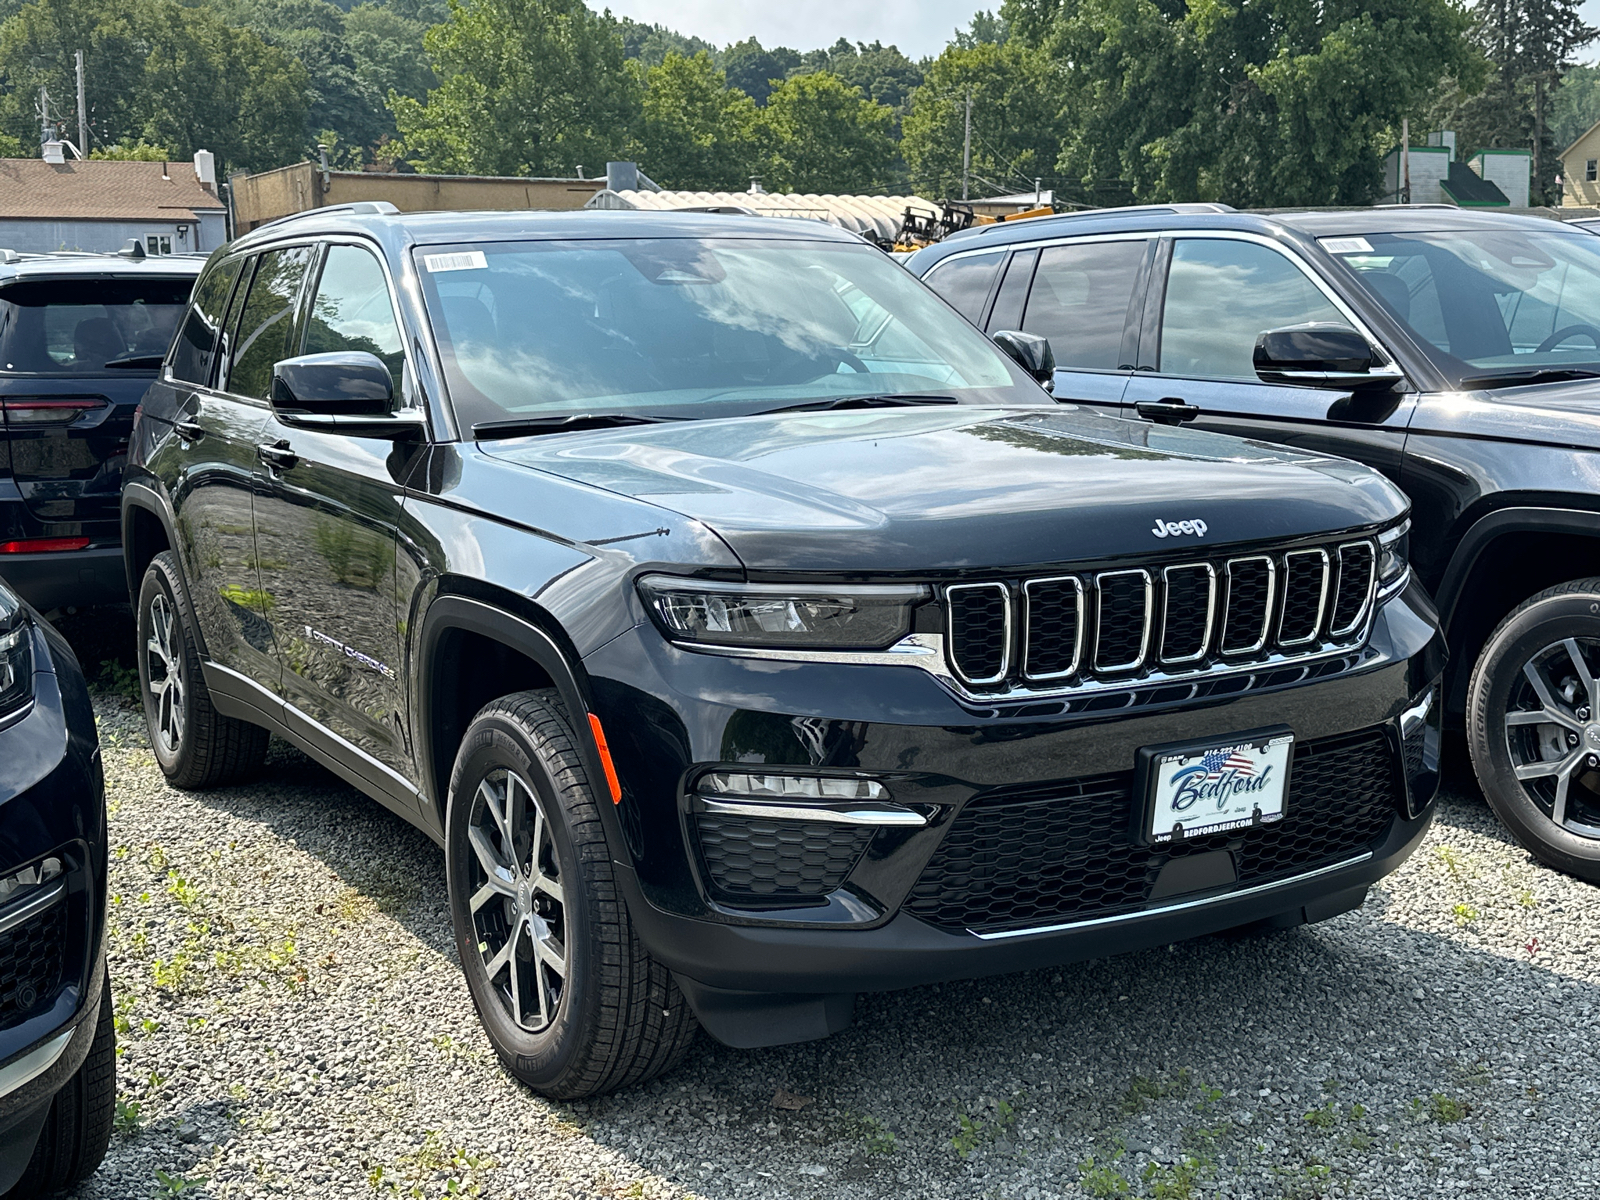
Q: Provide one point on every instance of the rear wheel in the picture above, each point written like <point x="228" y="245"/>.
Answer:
<point x="195" y="745"/>
<point x="570" y="1000"/>
<point x="1533" y="725"/>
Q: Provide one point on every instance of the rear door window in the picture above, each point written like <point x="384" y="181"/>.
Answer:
<point x="191" y="353"/>
<point x="966" y="281"/>
<point x="267" y="322"/>
<point x="88" y="326"/>
<point x="1080" y="299"/>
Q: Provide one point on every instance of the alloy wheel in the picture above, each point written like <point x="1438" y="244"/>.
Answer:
<point x="518" y="904"/>
<point x="164" y="658"/>
<point x="1552" y="728"/>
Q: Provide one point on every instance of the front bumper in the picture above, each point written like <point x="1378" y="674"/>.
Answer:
<point x="682" y="711"/>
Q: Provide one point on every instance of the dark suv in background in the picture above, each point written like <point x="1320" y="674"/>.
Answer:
<point x="1457" y="352"/>
<point x="749" y="629"/>
<point x="81" y="336"/>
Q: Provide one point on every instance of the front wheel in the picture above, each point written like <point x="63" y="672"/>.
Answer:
<point x="570" y="1000"/>
<point x="1533" y="725"/>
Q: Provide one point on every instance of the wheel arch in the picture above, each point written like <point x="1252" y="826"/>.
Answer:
<point x="147" y="530"/>
<point x="1502" y="559"/>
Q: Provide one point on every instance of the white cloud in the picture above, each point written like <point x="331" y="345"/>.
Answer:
<point x="918" y="28"/>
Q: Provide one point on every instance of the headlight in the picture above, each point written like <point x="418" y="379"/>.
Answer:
<point x="1394" y="559"/>
<point x="16" y="661"/>
<point x="780" y="615"/>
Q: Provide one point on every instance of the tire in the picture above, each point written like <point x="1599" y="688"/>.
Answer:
<point x="196" y="746"/>
<point x="1553" y="809"/>
<point x="78" y="1129"/>
<point x="594" y="1012"/>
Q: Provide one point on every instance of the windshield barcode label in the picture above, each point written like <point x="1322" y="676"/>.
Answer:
<point x="1346" y="245"/>
<point x="472" y="260"/>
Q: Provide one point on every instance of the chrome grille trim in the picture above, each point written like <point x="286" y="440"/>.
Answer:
<point x="1166" y="611"/>
<point x="1099" y="624"/>
<point x="1266" y="609"/>
<point x="1371" y="548"/>
<point x="1027" y="626"/>
<point x="1320" y="556"/>
<point x="1005" y="651"/>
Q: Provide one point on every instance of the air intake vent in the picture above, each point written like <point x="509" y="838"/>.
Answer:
<point x="1187" y="612"/>
<point x="1357" y="562"/>
<point x="980" y="630"/>
<point x="1053" y="627"/>
<point x="1123" y="616"/>
<point x="1249" y="608"/>
<point x="1305" y="591"/>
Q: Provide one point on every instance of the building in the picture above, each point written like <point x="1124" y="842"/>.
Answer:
<point x="1509" y="170"/>
<point x="96" y="205"/>
<point x="1580" y="169"/>
<point x="257" y="199"/>
<point x="1437" y="178"/>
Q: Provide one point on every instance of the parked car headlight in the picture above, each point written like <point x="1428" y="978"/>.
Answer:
<point x="1394" y="559"/>
<point x="16" y="661"/>
<point x="761" y="615"/>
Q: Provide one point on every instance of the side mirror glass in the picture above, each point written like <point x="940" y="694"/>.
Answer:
<point x="344" y="383"/>
<point x="1030" y="352"/>
<point x="1319" y="355"/>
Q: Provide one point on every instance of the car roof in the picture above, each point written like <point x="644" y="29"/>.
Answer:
<point x="445" y="228"/>
<point x="74" y="265"/>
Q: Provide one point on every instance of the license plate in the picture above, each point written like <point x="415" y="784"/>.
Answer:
<point x="1196" y="788"/>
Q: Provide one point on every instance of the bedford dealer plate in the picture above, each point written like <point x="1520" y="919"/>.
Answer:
<point x="1196" y="788"/>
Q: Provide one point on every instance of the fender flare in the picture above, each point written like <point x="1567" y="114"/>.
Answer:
<point x="1521" y="519"/>
<point x="144" y="497"/>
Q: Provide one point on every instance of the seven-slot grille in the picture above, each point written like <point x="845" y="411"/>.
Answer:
<point x="1062" y="630"/>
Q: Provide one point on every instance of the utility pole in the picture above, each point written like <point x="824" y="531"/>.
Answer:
<point x="1537" y="196"/>
<point x="46" y="134"/>
<point x="966" y="147"/>
<point x="1405" y="160"/>
<point x="83" y="117"/>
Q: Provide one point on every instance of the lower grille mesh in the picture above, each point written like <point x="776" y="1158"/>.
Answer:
<point x="1064" y="851"/>
<point x="30" y="963"/>
<point x="748" y="858"/>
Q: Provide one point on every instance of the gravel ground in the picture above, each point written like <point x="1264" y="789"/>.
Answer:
<point x="292" y="1021"/>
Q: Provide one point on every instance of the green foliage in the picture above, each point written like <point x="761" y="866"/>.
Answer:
<point x="175" y="1184"/>
<point x="882" y="72"/>
<point x="1100" y="1180"/>
<point x="1575" y="106"/>
<point x="137" y="150"/>
<point x="651" y="44"/>
<point x="695" y="132"/>
<point x="756" y="71"/>
<point x="128" y="1117"/>
<point x="822" y="135"/>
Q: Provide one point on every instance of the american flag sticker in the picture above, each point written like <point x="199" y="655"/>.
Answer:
<point x="1219" y="788"/>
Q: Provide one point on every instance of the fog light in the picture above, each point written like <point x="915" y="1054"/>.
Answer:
<point x="833" y="799"/>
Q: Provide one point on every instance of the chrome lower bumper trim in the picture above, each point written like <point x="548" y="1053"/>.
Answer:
<point x="839" y="814"/>
<point x="1162" y="910"/>
<point x="33" y="1064"/>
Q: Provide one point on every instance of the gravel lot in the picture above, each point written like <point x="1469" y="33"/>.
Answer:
<point x="292" y="1021"/>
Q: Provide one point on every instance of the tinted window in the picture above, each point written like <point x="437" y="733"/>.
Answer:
<point x="266" y="323"/>
<point x="965" y="282"/>
<point x="1080" y="301"/>
<point x="85" y="326"/>
<point x="1222" y="295"/>
<point x="352" y="310"/>
<point x="1012" y="297"/>
<point x="191" y="355"/>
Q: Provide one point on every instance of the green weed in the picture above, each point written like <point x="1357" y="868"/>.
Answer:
<point x="128" y="1117"/>
<point x="175" y="1185"/>
<point x="1102" y="1181"/>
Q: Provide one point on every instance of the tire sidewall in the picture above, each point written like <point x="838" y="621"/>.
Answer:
<point x="541" y="1059"/>
<point x="158" y="581"/>
<point x="1495" y="676"/>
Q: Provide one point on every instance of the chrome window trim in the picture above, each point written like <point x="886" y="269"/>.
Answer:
<point x="1166" y="610"/>
<point x="838" y="813"/>
<point x="1322" y="595"/>
<point x="1005" y="649"/>
<point x="1371" y="546"/>
<point x="1267" y="608"/>
<point x="1149" y="614"/>
<point x="1027" y="626"/>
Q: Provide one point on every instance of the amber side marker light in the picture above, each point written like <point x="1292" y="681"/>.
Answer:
<point x="605" y="759"/>
<point x="43" y="545"/>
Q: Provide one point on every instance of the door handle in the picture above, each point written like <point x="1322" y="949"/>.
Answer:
<point x="277" y="454"/>
<point x="189" y="431"/>
<point x="1169" y="410"/>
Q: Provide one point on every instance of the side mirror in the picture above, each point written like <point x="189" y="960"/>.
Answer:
<point x="1030" y="352"/>
<point x="345" y="383"/>
<point x="1320" y="355"/>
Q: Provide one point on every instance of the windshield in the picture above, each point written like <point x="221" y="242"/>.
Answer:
<point x="78" y="326"/>
<point x="689" y="327"/>
<point x="1490" y="301"/>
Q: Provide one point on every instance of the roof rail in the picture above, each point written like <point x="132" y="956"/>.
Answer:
<point x="1183" y="208"/>
<point x="358" y="208"/>
<point x="10" y="256"/>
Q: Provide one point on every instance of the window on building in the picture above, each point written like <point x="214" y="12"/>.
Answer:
<point x="1590" y="172"/>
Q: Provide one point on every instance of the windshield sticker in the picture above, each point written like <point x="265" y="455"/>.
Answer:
<point x="1345" y="245"/>
<point x="470" y="260"/>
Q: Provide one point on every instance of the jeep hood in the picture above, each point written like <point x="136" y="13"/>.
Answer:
<point x="926" y="489"/>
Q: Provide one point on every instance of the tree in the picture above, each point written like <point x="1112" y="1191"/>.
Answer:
<point x="651" y="44"/>
<point x="1530" y="44"/>
<point x="1576" y="106"/>
<point x="530" y="87"/>
<point x="1014" y="121"/>
<point x="1273" y="102"/>
<point x="822" y="135"/>
<point x="138" y="150"/>
<point x="881" y="72"/>
<point x="695" y="132"/>
<point x="387" y="50"/>
<point x="984" y="29"/>
<point x="755" y="71"/>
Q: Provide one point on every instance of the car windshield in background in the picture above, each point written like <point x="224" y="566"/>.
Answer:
<point x="78" y="326"/>
<point x="687" y="327"/>
<point x="1494" y="305"/>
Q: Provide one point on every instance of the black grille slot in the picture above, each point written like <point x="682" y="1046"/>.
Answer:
<point x="751" y="858"/>
<point x="1123" y="619"/>
<point x="1244" y="625"/>
<point x="980" y="630"/>
<point x="1356" y="564"/>
<point x="1186" y="617"/>
<point x="30" y="963"/>
<point x="1059" y="852"/>
<point x="1305" y="583"/>
<point x="1054" y="612"/>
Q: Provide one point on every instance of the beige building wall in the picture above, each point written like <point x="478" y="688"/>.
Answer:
<point x="258" y="199"/>
<point x="1578" y="185"/>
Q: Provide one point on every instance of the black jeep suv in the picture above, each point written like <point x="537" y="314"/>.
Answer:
<point x="748" y="628"/>
<point x="81" y="336"/>
<point x="1457" y="352"/>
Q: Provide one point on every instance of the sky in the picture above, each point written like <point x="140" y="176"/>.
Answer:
<point x="918" y="27"/>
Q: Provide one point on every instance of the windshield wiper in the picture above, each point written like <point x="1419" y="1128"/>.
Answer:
<point x="137" y="362"/>
<point x="1494" y="379"/>
<point x="532" y="426"/>
<point x="891" y="400"/>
